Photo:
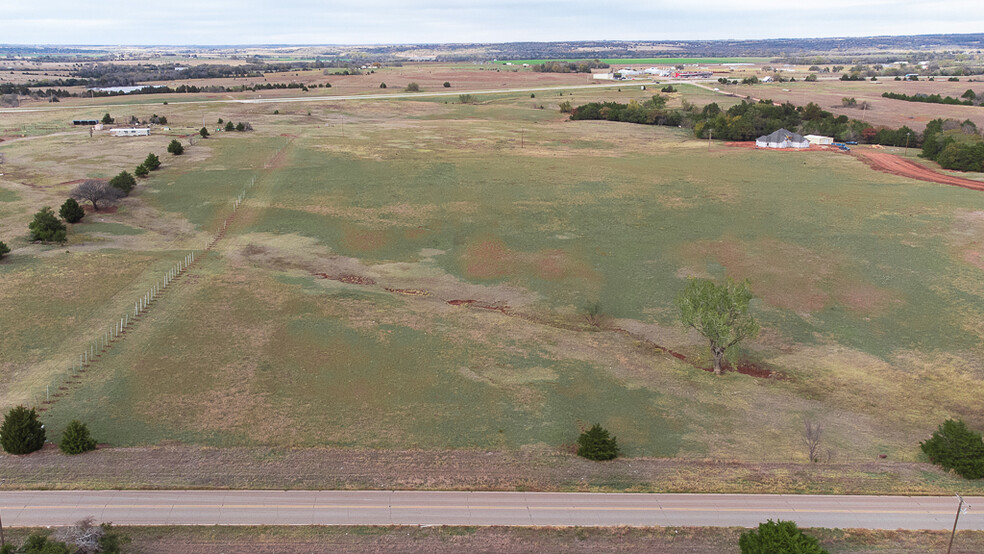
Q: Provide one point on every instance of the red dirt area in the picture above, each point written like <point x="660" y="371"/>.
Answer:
<point x="890" y="163"/>
<point x="348" y="278"/>
<point x="409" y="292"/>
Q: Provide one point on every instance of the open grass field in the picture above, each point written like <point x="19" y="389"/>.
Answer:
<point x="413" y="274"/>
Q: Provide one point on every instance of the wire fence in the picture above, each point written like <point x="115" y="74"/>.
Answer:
<point x="117" y="330"/>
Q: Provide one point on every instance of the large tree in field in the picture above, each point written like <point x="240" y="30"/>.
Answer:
<point x="720" y="313"/>
<point x="96" y="192"/>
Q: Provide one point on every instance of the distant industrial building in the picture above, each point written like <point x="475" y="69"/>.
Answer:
<point x="85" y="122"/>
<point x="130" y="132"/>
<point x="782" y="139"/>
<point x="692" y="74"/>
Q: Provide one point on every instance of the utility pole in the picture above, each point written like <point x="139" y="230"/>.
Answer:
<point x="960" y="510"/>
<point x="905" y="153"/>
<point x="710" y="133"/>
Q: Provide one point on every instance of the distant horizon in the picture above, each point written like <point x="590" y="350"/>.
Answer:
<point x="457" y="43"/>
<point x="292" y="23"/>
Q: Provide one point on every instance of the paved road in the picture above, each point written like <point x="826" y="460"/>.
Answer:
<point x="33" y="508"/>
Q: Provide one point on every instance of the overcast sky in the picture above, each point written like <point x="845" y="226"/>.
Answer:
<point x="111" y="22"/>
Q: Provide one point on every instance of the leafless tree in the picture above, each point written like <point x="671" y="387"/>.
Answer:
<point x="9" y="100"/>
<point x="84" y="534"/>
<point x="96" y="192"/>
<point x="811" y="437"/>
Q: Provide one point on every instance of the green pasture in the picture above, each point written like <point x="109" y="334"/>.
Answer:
<point x="867" y="285"/>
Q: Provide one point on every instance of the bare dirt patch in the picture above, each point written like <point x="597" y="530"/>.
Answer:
<point x="751" y="144"/>
<point x="890" y="163"/>
<point x="490" y="258"/>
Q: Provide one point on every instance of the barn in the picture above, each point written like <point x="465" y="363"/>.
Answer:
<point x="782" y="139"/>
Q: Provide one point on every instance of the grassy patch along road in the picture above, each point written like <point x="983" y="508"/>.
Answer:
<point x="182" y="467"/>
<point x="453" y="539"/>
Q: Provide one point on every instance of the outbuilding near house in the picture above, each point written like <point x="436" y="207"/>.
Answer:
<point x="782" y="139"/>
<point x="819" y="139"/>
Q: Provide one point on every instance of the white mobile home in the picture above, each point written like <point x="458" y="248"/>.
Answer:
<point x="130" y="132"/>
<point x="819" y="139"/>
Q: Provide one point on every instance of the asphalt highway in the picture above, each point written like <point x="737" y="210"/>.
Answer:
<point x="190" y="507"/>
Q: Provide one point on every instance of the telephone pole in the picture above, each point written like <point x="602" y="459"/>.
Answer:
<point x="960" y="510"/>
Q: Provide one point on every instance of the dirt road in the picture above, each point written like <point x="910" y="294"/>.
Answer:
<point x="890" y="163"/>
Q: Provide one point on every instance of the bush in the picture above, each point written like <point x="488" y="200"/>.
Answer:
<point x="141" y="171"/>
<point x="231" y="127"/>
<point x="76" y="439"/>
<point x="955" y="447"/>
<point x="596" y="444"/>
<point x="152" y="162"/>
<point x="46" y="227"/>
<point x="447" y="84"/>
<point x="123" y="182"/>
<point x="106" y="120"/>
<point x="220" y="121"/>
<point x="174" y="147"/>
<point x="204" y="132"/>
<point x="778" y="537"/>
<point x="4" y="249"/>
<point x="21" y="432"/>
<point x="382" y="85"/>
<point x="962" y="156"/>
<point x="38" y="544"/>
<point x="413" y="87"/>
<point x="240" y="127"/>
<point x="276" y="112"/>
<point x="668" y="88"/>
<point x="71" y="211"/>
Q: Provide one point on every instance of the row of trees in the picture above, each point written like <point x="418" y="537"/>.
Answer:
<point x="569" y="67"/>
<point x="746" y="121"/>
<point x="931" y="98"/>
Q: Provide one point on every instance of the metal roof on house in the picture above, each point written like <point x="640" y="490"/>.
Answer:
<point x="781" y="135"/>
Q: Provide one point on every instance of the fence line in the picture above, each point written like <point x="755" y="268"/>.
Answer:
<point x="116" y="332"/>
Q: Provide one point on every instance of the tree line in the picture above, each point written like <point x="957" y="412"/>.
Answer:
<point x="954" y="145"/>
<point x="747" y="120"/>
<point x="968" y="96"/>
<point x="569" y="67"/>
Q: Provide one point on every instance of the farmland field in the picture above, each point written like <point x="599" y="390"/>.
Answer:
<point x="416" y="273"/>
<point x="636" y="61"/>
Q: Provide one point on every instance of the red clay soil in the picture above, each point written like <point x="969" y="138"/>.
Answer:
<point x="890" y="163"/>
